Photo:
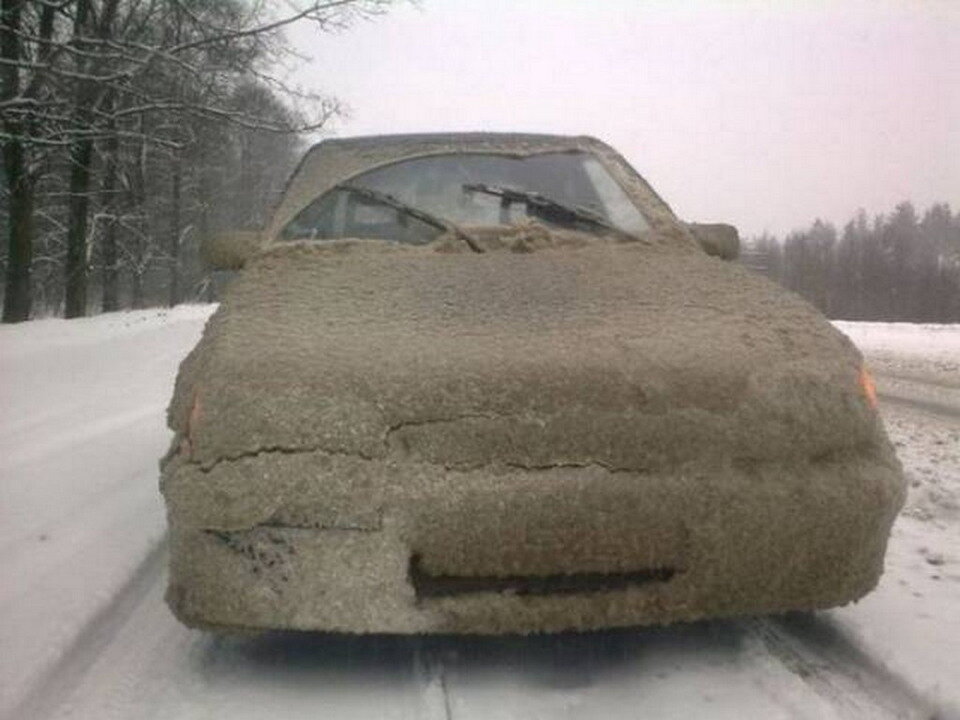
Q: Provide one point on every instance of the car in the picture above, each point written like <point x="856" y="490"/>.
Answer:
<point x="490" y="383"/>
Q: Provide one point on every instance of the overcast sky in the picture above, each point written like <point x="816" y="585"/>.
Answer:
<point x="763" y="114"/>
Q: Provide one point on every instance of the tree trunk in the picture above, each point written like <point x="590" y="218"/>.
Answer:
<point x="16" y="295"/>
<point x="203" y="223"/>
<point x="137" y="193"/>
<point x="136" y="290"/>
<point x="76" y="269"/>
<point x="81" y="153"/>
<point x="110" y="205"/>
<point x="173" y="242"/>
<point x="244" y="207"/>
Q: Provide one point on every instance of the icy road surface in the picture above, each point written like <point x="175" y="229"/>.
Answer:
<point x="84" y="632"/>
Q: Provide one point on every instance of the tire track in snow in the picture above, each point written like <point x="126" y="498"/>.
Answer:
<point x="927" y="406"/>
<point x="928" y="396"/>
<point x="83" y="430"/>
<point x="833" y="666"/>
<point x="431" y="675"/>
<point x="54" y="687"/>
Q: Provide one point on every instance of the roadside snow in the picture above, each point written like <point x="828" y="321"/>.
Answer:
<point x="924" y="352"/>
<point x="911" y="622"/>
<point x="929" y="448"/>
<point x="81" y="429"/>
<point x="929" y="341"/>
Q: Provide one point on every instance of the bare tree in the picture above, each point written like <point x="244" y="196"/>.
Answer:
<point x="85" y="78"/>
<point x="23" y="93"/>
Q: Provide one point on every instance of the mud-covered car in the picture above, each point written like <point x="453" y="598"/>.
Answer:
<point x="483" y="383"/>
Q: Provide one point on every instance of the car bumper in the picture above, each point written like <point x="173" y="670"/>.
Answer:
<point x="313" y="541"/>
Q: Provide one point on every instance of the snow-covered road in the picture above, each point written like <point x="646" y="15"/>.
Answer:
<point x="84" y="632"/>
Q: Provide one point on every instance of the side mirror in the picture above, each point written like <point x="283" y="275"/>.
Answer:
<point x="717" y="239"/>
<point x="229" y="250"/>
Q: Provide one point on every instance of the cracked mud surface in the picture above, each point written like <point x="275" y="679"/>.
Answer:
<point x="484" y="410"/>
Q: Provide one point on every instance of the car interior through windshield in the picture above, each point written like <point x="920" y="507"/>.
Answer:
<point x="415" y="201"/>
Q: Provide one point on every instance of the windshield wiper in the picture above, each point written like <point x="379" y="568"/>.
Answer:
<point x="414" y="212"/>
<point x="545" y="207"/>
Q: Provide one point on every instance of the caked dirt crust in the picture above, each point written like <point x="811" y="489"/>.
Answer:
<point x="564" y="406"/>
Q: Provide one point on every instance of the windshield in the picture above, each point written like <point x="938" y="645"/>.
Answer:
<point x="468" y="190"/>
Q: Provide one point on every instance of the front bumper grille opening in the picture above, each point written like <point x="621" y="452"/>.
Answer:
<point x="428" y="585"/>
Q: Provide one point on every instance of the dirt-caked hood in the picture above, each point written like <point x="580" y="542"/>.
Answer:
<point x="620" y="355"/>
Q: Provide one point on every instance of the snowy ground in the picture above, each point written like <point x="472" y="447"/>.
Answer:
<point x="916" y="365"/>
<point x="84" y="632"/>
<point x="912" y="622"/>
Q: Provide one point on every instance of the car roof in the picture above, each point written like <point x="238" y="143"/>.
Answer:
<point x="446" y="139"/>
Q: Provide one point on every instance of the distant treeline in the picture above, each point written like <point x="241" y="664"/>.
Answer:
<point x="895" y="267"/>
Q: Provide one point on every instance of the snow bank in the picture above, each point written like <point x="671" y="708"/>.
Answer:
<point x="899" y="353"/>
<point x="910" y="623"/>
<point x="928" y="340"/>
<point x="81" y="428"/>
<point x="58" y="334"/>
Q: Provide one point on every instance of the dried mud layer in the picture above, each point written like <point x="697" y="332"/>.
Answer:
<point x="383" y="438"/>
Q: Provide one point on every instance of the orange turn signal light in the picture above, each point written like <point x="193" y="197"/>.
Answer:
<point x="868" y="386"/>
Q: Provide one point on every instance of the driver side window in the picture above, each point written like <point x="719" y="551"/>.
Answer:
<point x="342" y="214"/>
<point x="317" y="221"/>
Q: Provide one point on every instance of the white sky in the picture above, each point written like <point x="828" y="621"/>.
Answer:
<point x="764" y="114"/>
